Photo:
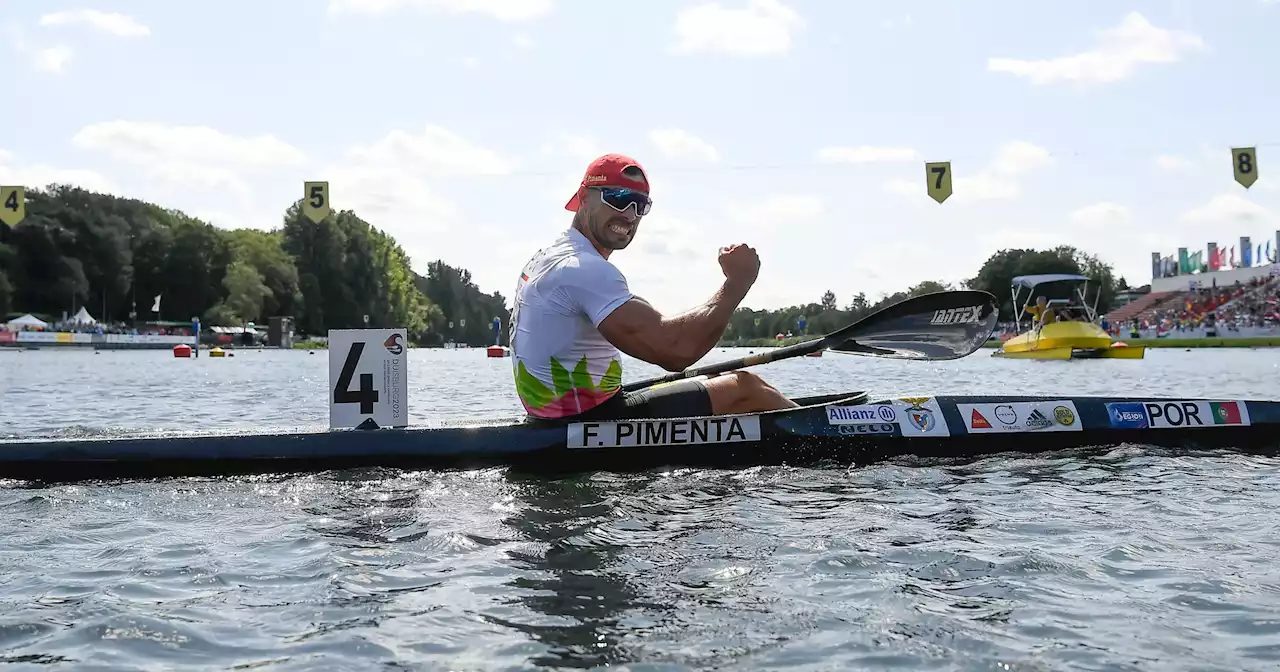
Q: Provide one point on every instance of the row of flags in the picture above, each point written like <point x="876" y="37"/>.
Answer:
<point x="1214" y="259"/>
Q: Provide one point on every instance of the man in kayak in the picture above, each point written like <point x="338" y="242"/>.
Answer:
<point x="573" y="312"/>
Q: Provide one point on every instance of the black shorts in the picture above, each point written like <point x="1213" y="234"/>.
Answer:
<point x="681" y="399"/>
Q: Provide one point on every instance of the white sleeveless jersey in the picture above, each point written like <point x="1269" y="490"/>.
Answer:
<point x="562" y="365"/>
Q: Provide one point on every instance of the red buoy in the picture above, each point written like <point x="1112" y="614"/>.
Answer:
<point x="182" y="350"/>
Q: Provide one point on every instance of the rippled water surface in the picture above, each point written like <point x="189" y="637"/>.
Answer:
<point x="1127" y="559"/>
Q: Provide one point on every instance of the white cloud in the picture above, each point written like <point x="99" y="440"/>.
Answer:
<point x="522" y="41"/>
<point x="865" y="154"/>
<point x="666" y="236"/>
<point x="51" y="59"/>
<point x="1105" y="215"/>
<point x="890" y="24"/>
<point x="1228" y="208"/>
<point x="904" y="187"/>
<point x="1015" y="158"/>
<point x="394" y="183"/>
<point x="1023" y="237"/>
<point x="679" y="144"/>
<point x="1173" y="164"/>
<point x="39" y="176"/>
<point x="502" y="10"/>
<point x="436" y="150"/>
<point x="119" y="25"/>
<point x="1215" y="160"/>
<point x="664" y="240"/>
<point x="147" y="142"/>
<point x="1117" y="55"/>
<point x="571" y="152"/>
<point x="393" y="199"/>
<point x="190" y="156"/>
<point x="214" y="178"/>
<point x="1000" y="179"/>
<point x="762" y="28"/>
<point x="987" y="186"/>
<point x="573" y="146"/>
<point x="775" y="212"/>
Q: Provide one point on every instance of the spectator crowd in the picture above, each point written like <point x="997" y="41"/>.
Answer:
<point x="1225" y="309"/>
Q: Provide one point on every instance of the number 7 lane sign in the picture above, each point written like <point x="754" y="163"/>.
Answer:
<point x="368" y="378"/>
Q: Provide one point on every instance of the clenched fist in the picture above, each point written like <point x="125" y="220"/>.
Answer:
<point x="740" y="264"/>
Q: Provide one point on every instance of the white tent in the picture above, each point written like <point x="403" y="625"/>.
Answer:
<point x="27" y="320"/>
<point x="83" y="317"/>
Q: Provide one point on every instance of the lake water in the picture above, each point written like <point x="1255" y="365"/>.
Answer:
<point x="1132" y="559"/>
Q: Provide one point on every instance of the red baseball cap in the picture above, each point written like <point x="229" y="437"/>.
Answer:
<point x="606" y="171"/>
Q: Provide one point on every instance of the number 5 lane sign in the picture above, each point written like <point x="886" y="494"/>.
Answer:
<point x="368" y="378"/>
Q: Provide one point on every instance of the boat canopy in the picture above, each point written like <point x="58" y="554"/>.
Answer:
<point x="1030" y="281"/>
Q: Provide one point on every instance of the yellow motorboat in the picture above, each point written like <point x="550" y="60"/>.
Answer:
<point x="1071" y="330"/>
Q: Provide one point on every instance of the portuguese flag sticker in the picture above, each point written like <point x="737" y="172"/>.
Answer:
<point x="1225" y="412"/>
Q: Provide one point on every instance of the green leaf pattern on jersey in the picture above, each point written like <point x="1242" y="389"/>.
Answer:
<point x="566" y="384"/>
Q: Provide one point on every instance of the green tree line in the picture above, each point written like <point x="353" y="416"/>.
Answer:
<point x="759" y="327"/>
<point x="114" y="255"/>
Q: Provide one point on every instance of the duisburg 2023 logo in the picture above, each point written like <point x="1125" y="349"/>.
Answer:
<point x="393" y="344"/>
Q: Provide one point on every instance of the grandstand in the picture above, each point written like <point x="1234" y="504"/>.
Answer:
<point x="1140" y="307"/>
<point x="1242" y="300"/>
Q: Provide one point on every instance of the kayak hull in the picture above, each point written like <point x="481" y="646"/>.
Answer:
<point x="845" y="428"/>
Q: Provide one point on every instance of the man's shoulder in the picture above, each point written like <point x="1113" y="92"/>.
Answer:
<point x="567" y="256"/>
<point x="579" y="269"/>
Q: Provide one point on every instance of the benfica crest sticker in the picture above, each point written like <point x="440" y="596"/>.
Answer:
<point x="924" y="416"/>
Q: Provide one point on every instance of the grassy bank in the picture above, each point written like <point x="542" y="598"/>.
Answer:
<point x="1204" y="342"/>
<point x="1192" y="342"/>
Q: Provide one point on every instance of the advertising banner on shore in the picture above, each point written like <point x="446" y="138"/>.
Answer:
<point x="63" y="338"/>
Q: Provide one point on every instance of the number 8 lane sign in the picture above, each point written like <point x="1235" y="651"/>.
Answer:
<point x="368" y="378"/>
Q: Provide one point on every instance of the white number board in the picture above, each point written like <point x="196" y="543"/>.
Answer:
<point x="677" y="431"/>
<point x="368" y="378"/>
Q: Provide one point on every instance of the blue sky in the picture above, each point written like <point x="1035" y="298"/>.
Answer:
<point x="798" y="127"/>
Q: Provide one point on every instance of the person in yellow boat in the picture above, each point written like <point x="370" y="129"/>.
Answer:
<point x="1041" y="313"/>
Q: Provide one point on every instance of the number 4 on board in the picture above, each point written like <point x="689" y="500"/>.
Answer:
<point x="368" y="378"/>
<point x="13" y="205"/>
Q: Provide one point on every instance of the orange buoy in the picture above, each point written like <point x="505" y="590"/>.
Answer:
<point x="182" y="350"/>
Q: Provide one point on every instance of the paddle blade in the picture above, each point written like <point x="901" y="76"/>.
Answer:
<point x="943" y="325"/>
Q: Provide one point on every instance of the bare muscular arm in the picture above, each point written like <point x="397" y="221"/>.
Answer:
<point x="678" y="342"/>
